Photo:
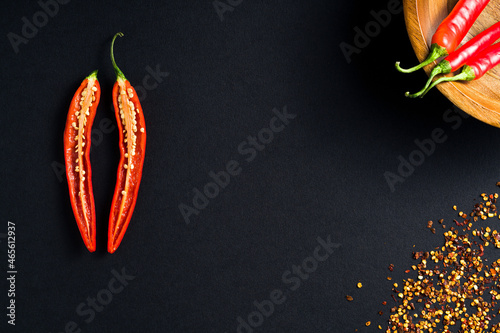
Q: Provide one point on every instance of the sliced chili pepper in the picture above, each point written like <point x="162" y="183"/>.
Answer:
<point x="475" y="67"/>
<point x="451" y="31"/>
<point x="76" y="156"/>
<point x="132" y="130"/>
<point x="459" y="57"/>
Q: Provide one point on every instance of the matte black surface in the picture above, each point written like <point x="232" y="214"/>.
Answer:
<point x="321" y="176"/>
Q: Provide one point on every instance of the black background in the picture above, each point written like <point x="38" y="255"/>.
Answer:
<point x="323" y="175"/>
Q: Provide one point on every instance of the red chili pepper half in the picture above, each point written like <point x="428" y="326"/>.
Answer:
<point x="451" y="31"/>
<point x="76" y="156"/>
<point x="132" y="130"/>
<point x="475" y="67"/>
<point x="459" y="57"/>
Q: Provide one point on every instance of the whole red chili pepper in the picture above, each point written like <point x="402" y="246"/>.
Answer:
<point x="132" y="130"/>
<point x="451" y="31"/>
<point x="459" y="57"/>
<point x="475" y="68"/>
<point x="76" y="156"/>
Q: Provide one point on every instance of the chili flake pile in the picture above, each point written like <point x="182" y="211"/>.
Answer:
<point x="456" y="288"/>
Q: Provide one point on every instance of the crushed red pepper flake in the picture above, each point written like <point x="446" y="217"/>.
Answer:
<point x="349" y="298"/>
<point x="456" y="288"/>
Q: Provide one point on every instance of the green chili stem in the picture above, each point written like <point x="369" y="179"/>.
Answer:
<point x="119" y="73"/>
<point x="443" y="67"/>
<point x="435" y="53"/>
<point x="467" y="74"/>
<point x="92" y="75"/>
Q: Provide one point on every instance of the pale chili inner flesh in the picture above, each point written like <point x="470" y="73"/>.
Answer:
<point x="128" y="112"/>
<point x="86" y="101"/>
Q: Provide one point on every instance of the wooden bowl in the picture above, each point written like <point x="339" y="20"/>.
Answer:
<point x="480" y="98"/>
